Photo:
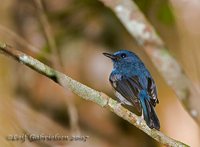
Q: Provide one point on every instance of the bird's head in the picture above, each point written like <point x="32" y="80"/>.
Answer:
<point x="122" y="57"/>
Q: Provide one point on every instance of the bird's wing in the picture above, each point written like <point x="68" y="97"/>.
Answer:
<point x="128" y="87"/>
<point x="152" y="91"/>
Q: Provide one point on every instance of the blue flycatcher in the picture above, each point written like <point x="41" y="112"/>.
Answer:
<point x="134" y="85"/>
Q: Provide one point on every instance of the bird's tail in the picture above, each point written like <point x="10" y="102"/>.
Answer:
<point x="148" y="111"/>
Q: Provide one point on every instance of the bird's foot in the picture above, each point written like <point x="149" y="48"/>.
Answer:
<point x="119" y="104"/>
<point x="139" y="121"/>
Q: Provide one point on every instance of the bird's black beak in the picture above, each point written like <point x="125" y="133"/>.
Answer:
<point x="111" y="56"/>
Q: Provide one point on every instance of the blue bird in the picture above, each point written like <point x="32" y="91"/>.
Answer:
<point x="134" y="85"/>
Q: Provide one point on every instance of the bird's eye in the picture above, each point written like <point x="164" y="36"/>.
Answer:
<point x="123" y="55"/>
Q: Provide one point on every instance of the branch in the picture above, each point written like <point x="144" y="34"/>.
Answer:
<point x="48" y="34"/>
<point x="88" y="93"/>
<point x="138" y="26"/>
<point x="57" y="62"/>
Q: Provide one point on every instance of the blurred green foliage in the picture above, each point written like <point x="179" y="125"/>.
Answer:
<point x="88" y="19"/>
<point x="160" y="9"/>
<point x="144" y="5"/>
<point x="165" y="14"/>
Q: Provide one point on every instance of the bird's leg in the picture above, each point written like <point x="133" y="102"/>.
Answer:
<point x="142" y="116"/>
<point x="139" y="121"/>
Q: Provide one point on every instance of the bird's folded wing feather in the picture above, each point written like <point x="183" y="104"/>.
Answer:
<point x="152" y="91"/>
<point x="128" y="87"/>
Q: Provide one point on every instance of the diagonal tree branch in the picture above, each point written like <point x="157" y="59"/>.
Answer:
<point x="139" y="27"/>
<point x="88" y="93"/>
<point x="48" y="32"/>
<point x="57" y="61"/>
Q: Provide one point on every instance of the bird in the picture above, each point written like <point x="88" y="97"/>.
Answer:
<point x="134" y="85"/>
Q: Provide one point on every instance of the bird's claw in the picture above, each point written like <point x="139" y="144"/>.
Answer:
<point x="119" y="104"/>
<point x="139" y="121"/>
